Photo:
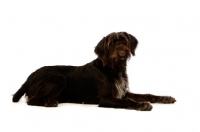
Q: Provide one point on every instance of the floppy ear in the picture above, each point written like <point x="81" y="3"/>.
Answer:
<point x="100" y="50"/>
<point x="133" y="42"/>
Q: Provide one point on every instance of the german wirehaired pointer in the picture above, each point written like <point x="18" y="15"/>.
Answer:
<point x="103" y="81"/>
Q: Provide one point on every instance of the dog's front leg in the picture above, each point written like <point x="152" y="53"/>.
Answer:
<point x="112" y="102"/>
<point x="150" y="98"/>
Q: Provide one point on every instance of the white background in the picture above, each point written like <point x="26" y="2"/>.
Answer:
<point x="65" y="32"/>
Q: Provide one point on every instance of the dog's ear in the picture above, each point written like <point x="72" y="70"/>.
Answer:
<point x="100" y="50"/>
<point x="133" y="44"/>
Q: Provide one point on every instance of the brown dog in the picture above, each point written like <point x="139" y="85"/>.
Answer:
<point x="103" y="81"/>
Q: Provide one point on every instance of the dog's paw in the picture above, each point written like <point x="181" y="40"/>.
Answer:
<point x="166" y="100"/>
<point x="141" y="106"/>
<point x="51" y="103"/>
<point x="145" y="107"/>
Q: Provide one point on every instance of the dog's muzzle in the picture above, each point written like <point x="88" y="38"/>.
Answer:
<point x="122" y="54"/>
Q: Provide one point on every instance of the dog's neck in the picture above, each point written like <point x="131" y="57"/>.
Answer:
<point x="112" y="63"/>
<point x="119" y="66"/>
<point x="116" y="68"/>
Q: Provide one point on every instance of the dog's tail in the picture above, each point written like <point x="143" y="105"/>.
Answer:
<point x="24" y="88"/>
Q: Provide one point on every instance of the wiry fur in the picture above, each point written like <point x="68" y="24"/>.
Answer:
<point x="103" y="81"/>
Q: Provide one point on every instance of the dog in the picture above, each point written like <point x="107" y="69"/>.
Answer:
<point x="103" y="81"/>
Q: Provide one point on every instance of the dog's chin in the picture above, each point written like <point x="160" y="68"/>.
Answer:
<point x="121" y="59"/>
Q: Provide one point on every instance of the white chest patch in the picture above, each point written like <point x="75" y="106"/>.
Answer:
<point x="122" y="87"/>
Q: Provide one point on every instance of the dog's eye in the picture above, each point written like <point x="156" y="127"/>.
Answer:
<point x="112" y="44"/>
<point x="125" y="42"/>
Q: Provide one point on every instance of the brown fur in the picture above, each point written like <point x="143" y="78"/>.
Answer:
<point x="102" y="81"/>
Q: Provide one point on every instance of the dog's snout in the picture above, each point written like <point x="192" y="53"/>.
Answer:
<point x="122" y="53"/>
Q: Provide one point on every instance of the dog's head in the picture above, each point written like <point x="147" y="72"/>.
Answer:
<point x="116" y="47"/>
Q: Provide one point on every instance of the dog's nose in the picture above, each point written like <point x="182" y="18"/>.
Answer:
<point x="122" y="53"/>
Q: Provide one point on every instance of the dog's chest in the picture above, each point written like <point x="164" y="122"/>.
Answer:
<point x="121" y="85"/>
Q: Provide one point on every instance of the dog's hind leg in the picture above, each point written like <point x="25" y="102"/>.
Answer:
<point x="124" y="103"/>
<point x="46" y="90"/>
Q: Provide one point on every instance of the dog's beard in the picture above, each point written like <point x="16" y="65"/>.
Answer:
<point x="118" y="62"/>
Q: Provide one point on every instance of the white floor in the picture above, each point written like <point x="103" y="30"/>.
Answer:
<point x="19" y="117"/>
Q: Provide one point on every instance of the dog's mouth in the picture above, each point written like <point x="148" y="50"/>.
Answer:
<point x="122" y="58"/>
<point x="122" y="55"/>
